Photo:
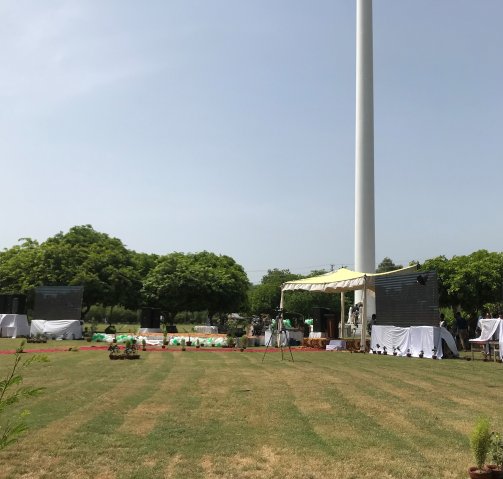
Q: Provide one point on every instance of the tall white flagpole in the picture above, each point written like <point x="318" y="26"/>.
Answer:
<point x="364" y="149"/>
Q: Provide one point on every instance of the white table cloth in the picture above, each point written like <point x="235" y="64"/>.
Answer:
<point x="414" y="339"/>
<point x="491" y="329"/>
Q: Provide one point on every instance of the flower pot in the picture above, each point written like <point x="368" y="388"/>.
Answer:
<point x="189" y="343"/>
<point x="496" y="473"/>
<point x="409" y="355"/>
<point x="420" y="355"/>
<point x="385" y="353"/>
<point x="394" y="354"/>
<point x="433" y="357"/>
<point x="378" y="352"/>
<point x="476" y="473"/>
<point x="163" y="346"/>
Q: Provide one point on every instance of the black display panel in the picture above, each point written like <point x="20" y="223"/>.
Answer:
<point x="58" y="302"/>
<point x="407" y="299"/>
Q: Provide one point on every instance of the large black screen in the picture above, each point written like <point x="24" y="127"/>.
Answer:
<point x="407" y="299"/>
<point x="58" y="302"/>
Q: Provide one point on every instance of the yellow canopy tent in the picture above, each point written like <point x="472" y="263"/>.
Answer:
<point x="341" y="281"/>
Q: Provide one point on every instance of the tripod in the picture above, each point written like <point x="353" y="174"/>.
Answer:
<point x="280" y="334"/>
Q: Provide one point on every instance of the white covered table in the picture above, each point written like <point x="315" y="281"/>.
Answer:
<point x="61" y="329"/>
<point x="206" y="329"/>
<point x="14" y="325"/>
<point x="491" y="333"/>
<point x="414" y="339"/>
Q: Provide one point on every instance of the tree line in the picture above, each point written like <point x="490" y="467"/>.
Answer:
<point x="113" y="275"/>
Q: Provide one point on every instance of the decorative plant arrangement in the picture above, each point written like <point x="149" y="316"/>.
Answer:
<point x="434" y="350"/>
<point x="409" y="354"/>
<point x="496" y="451"/>
<point x="130" y="351"/>
<point x="378" y="346"/>
<point x="182" y="343"/>
<point x="421" y="353"/>
<point x="385" y="350"/>
<point x="198" y="344"/>
<point x="394" y="351"/>
<point x="144" y="344"/>
<point x="38" y="338"/>
<point x="480" y="443"/>
<point x="114" y="351"/>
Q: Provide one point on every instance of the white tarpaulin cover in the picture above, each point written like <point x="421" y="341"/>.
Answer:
<point x="491" y="329"/>
<point x="61" y="329"/>
<point x="14" y="325"/>
<point x="415" y="339"/>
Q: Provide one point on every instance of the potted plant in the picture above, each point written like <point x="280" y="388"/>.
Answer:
<point x="144" y="344"/>
<point x="114" y="352"/>
<point x="480" y="442"/>
<point x="496" y="456"/>
<point x="394" y="351"/>
<point x="189" y="342"/>
<point x="409" y="354"/>
<point x="182" y="342"/>
<point x="434" y="350"/>
<point x="198" y="344"/>
<point x="384" y="350"/>
<point x="421" y="353"/>
<point x="378" y="346"/>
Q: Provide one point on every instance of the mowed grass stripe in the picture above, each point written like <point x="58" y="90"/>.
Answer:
<point x="385" y="413"/>
<point x="207" y="415"/>
<point x="56" y="441"/>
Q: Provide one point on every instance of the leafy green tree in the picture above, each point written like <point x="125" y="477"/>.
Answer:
<point x="265" y="297"/>
<point x="194" y="282"/>
<point x="20" y="267"/>
<point x="386" y="265"/>
<point x="94" y="260"/>
<point x="468" y="281"/>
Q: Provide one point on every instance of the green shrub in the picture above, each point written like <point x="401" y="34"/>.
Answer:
<point x="480" y="441"/>
<point x="497" y="449"/>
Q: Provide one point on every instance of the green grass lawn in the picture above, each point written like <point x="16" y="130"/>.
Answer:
<point x="226" y="414"/>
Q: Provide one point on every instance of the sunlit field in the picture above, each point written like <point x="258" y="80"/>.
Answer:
<point x="208" y="414"/>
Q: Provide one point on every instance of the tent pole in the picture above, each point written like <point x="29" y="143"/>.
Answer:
<point x="363" y="336"/>
<point x="343" y="316"/>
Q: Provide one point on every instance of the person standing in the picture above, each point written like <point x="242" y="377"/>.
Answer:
<point x="462" y="329"/>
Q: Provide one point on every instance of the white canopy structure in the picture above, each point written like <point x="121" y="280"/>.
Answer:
<point x="341" y="281"/>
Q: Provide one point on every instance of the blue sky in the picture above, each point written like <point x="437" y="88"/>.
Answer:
<point x="229" y="126"/>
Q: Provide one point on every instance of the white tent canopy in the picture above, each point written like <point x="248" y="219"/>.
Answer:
<point x="341" y="281"/>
